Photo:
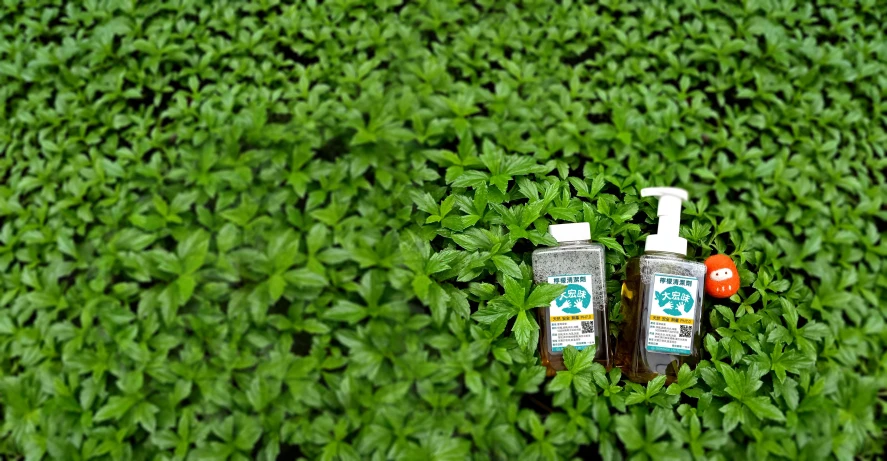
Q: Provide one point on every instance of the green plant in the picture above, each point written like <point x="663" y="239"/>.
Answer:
<point x="259" y="230"/>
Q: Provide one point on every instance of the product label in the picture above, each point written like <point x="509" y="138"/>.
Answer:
<point x="571" y="315"/>
<point x="672" y="313"/>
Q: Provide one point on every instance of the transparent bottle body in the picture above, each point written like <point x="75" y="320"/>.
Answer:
<point x="631" y="354"/>
<point x="574" y="258"/>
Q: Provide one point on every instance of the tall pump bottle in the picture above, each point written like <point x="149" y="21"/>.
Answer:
<point x="661" y="299"/>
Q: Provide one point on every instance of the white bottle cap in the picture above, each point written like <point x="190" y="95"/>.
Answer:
<point x="570" y="232"/>
<point x="667" y="237"/>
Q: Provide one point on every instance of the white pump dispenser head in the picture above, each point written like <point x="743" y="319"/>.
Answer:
<point x="669" y="212"/>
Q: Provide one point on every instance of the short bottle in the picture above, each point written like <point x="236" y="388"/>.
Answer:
<point x="661" y="299"/>
<point x="578" y="317"/>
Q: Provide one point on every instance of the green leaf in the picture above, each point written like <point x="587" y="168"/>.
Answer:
<point x="763" y="408"/>
<point x="144" y="413"/>
<point x="560" y="382"/>
<point x="494" y="312"/>
<point x="276" y="286"/>
<point x="578" y="361"/>
<point x="167" y="262"/>
<point x="192" y="251"/>
<point x="115" y="408"/>
<point x="186" y="284"/>
<point x="346" y="311"/>
<point x="514" y="291"/>
<point x="732" y="415"/>
<point x="447" y="205"/>
<point x="543" y="295"/>
<point x="248" y="434"/>
<point x="425" y="202"/>
<point x="611" y="243"/>
<point x="655" y="385"/>
<point x="629" y="433"/>
<point x="214" y="451"/>
<point x="507" y="266"/>
<point x="282" y="250"/>
<point x="305" y="278"/>
<point x="529" y="379"/>
<point x="526" y="331"/>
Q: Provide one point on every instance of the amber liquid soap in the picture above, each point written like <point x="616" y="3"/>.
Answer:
<point x="637" y="360"/>
<point x="578" y="317"/>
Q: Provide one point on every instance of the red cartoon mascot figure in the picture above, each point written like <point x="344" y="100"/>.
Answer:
<point x="721" y="278"/>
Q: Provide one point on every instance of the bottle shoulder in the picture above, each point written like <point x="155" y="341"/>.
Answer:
<point x="650" y="263"/>
<point x="573" y="259"/>
<point x="653" y="258"/>
<point x="592" y="246"/>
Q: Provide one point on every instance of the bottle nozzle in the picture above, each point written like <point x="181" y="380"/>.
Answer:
<point x="667" y="237"/>
<point x="570" y="232"/>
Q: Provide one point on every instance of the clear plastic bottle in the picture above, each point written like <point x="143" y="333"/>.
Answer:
<point x="579" y="316"/>
<point x="661" y="300"/>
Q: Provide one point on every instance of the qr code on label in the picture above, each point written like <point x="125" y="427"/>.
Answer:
<point x="588" y="327"/>
<point x="686" y="331"/>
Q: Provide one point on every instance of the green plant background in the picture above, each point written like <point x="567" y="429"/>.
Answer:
<point x="235" y="230"/>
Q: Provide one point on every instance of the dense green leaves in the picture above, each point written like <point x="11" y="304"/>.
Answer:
<point x="262" y="230"/>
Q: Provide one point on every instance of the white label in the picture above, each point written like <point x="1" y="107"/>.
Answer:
<point x="571" y="315"/>
<point x="673" y="307"/>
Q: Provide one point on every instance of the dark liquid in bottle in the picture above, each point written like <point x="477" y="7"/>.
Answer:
<point x="638" y="363"/>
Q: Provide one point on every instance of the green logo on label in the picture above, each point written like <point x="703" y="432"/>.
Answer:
<point x="574" y="299"/>
<point x="675" y="300"/>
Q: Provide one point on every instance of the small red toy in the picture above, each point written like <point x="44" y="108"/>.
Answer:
<point x="722" y="277"/>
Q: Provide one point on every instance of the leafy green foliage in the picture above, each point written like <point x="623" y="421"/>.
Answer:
<point x="259" y="230"/>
